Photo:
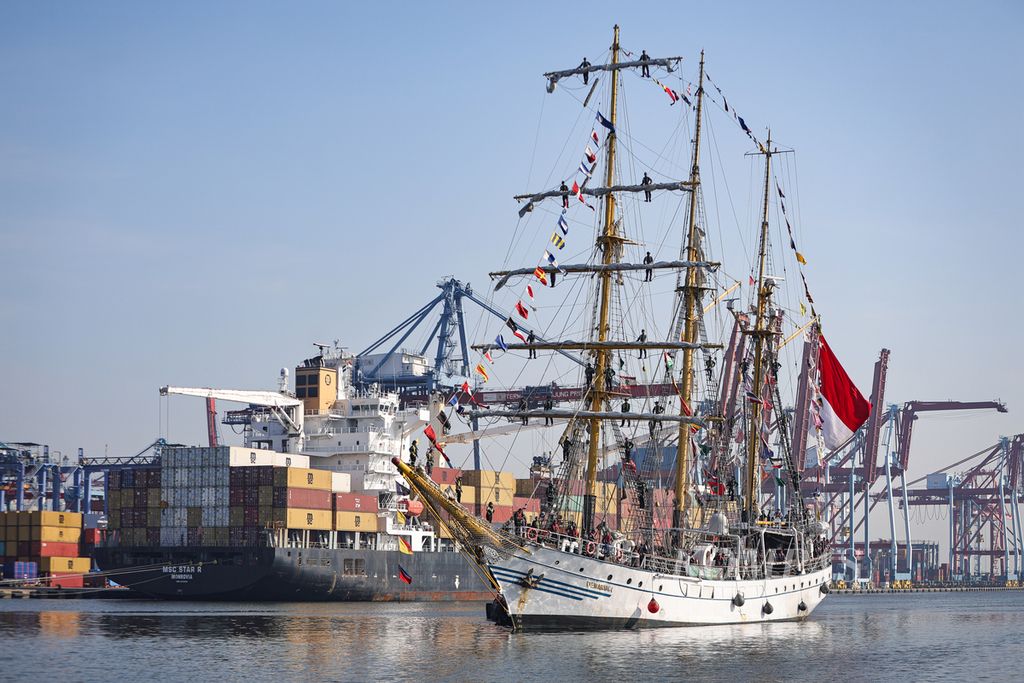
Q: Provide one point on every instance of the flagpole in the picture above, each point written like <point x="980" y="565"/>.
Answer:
<point x="690" y="301"/>
<point x="607" y="243"/>
<point x="760" y="333"/>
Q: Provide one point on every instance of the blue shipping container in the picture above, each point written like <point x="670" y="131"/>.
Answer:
<point x="21" y="570"/>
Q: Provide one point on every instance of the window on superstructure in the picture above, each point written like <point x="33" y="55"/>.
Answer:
<point x="300" y="392"/>
<point x="312" y="392"/>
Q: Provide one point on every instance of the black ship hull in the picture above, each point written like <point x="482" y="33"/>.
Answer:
<point x="293" y="574"/>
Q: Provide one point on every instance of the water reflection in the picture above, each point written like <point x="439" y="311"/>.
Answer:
<point x="124" y="640"/>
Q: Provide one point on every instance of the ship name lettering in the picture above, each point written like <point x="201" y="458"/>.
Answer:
<point x="599" y="586"/>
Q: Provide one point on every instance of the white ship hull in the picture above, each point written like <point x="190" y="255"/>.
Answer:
<point x="571" y="591"/>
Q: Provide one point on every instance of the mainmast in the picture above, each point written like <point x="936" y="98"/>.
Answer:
<point x="761" y="333"/>
<point x="608" y="243"/>
<point x="690" y="299"/>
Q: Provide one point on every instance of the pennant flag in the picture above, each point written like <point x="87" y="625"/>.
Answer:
<point x="487" y="355"/>
<point x="465" y="388"/>
<point x="557" y="240"/>
<point x="522" y="310"/>
<point x="482" y="371"/>
<point x="402" y="490"/>
<point x="686" y="99"/>
<point x="529" y="291"/>
<point x="511" y="324"/>
<point x="743" y="125"/>
<point x="404" y="546"/>
<point x="803" y="310"/>
<point x="593" y="136"/>
<point x="586" y="171"/>
<point x="551" y="258"/>
<point x="752" y="397"/>
<point x="540" y="275"/>
<point x="500" y="341"/>
<point x="800" y="258"/>
<point x="672" y="94"/>
<point x="780" y="190"/>
<point x="724" y="100"/>
<point x="400" y="517"/>
<point x="590" y="154"/>
<point x="454" y="400"/>
<point x="563" y="225"/>
<point x="404" y="575"/>
<point x="751" y="280"/>
<point x="605" y="122"/>
<point x="430" y="433"/>
<point x="843" y="408"/>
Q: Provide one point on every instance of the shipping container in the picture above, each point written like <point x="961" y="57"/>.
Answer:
<point x="56" y="533"/>
<point x="488" y="478"/>
<point x="445" y="475"/>
<point x="51" y="549"/>
<point x="301" y="498"/>
<point x="58" y="580"/>
<point x="301" y="477"/>
<point x="21" y="570"/>
<point x="356" y="521"/>
<point x="78" y="565"/>
<point x="319" y="520"/>
<point x="355" y="502"/>
<point x="60" y="519"/>
<point x="341" y="482"/>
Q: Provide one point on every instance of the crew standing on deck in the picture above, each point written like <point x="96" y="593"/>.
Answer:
<point x="645" y="182"/>
<point x="649" y="272"/>
<point x="564" y="189"/>
<point x="642" y="339"/>
<point x="530" y="338"/>
<point x="549" y="405"/>
<point x="458" y="489"/>
<point x="490" y="513"/>
<point x="645" y="67"/>
<point x="414" y="449"/>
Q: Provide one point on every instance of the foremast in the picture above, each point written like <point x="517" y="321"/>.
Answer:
<point x="691" y="296"/>
<point x="608" y="243"/>
<point x="761" y="333"/>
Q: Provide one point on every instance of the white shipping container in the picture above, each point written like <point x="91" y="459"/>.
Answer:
<point x="341" y="482"/>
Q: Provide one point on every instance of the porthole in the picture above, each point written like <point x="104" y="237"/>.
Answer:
<point x="640" y="585"/>
<point x="609" y="577"/>
<point x="628" y="581"/>
<point x="661" y="586"/>
<point x="581" y="570"/>
<point x="557" y="561"/>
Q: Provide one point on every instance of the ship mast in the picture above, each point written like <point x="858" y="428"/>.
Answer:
<point x="690" y="299"/>
<point x="761" y="333"/>
<point x="608" y="243"/>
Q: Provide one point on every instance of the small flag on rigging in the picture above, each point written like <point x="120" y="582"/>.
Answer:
<point x="522" y="310"/>
<point x="557" y="240"/>
<point x="539" y="274"/>
<point x="563" y="225"/>
<point x="500" y="341"/>
<point x="605" y="122"/>
<point x="482" y="371"/>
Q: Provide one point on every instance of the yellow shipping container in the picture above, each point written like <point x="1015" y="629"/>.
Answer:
<point x="356" y="521"/>
<point x="302" y="478"/>
<point x="496" y="495"/>
<point x="76" y="565"/>
<point x="488" y="478"/>
<point x="300" y="518"/>
<point x="56" y="534"/>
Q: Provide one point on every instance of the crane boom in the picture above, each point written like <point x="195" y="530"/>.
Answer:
<point x="260" y="398"/>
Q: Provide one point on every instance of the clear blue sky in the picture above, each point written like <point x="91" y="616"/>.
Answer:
<point x="191" y="193"/>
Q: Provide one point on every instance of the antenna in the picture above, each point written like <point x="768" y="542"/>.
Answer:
<point x="321" y="347"/>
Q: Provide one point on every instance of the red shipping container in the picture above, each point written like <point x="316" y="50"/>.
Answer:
<point x="66" y="581"/>
<point x="445" y="475"/>
<point x="302" y="498"/>
<point x="531" y="505"/>
<point x="355" y="502"/>
<point x="53" y="549"/>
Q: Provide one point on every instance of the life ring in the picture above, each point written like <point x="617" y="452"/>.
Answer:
<point x="591" y="548"/>
<point x="531" y="534"/>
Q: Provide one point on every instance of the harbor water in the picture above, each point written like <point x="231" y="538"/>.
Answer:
<point x="917" y="637"/>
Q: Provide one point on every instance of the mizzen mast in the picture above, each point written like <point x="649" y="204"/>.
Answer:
<point x="761" y="332"/>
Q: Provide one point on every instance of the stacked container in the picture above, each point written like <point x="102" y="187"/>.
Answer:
<point x="44" y="544"/>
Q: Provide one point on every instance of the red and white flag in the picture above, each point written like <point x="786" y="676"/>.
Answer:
<point x="590" y="154"/>
<point x="521" y="309"/>
<point x="843" y="408"/>
<point x="577" y="192"/>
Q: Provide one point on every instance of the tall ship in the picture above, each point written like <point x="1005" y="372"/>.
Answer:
<point x="309" y="507"/>
<point x="732" y="539"/>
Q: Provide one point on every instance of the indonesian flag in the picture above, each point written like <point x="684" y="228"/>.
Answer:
<point x="843" y="408"/>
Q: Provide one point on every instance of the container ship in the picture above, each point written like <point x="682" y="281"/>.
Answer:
<point x="309" y="508"/>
